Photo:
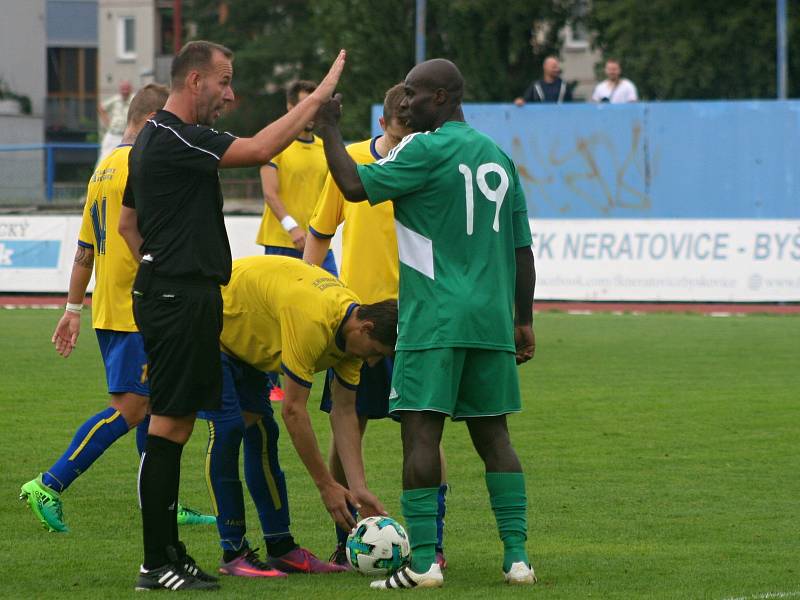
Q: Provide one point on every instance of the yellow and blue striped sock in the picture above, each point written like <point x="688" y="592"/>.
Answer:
<point x="222" y="477"/>
<point x="90" y="441"/>
<point x="141" y="434"/>
<point x="265" y="479"/>
<point x="441" y="510"/>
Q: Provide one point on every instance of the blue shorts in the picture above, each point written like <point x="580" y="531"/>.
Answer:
<point x="372" y="394"/>
<point x="244" y="388"/>
<point x="125" y="360"/>
<point x="329" y="264"/>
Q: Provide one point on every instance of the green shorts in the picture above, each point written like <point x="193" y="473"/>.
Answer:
<point x="459" y="382"/>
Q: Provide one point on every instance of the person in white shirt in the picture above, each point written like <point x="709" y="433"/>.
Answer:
<point x="113" y="116"/>
<point x="615" y="89"/>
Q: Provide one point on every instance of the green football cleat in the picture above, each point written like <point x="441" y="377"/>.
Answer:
<point x="189" y="516"/>
<point x="45" y="503"/>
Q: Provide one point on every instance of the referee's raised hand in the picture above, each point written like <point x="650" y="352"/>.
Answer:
<point x="326" y="87"/>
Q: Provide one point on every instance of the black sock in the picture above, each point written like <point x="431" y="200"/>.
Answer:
<point x="158" y="498"/>
<point x="281" y="546"/>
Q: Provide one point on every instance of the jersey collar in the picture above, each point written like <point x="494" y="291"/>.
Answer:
<point x="340" y="342"/>
<point x="373" y="150"/>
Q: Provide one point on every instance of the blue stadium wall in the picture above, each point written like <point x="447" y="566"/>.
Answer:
<point x="695" y="201"/>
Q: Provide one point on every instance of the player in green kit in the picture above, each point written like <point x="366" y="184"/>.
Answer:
<point x="466" y="303"/>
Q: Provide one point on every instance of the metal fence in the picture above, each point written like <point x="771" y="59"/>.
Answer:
<point x="57" y="174"/>
<point x="32" y="174"/>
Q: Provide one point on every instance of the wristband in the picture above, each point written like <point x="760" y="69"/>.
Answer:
<point x="74" y="308"/>
<point x="288" y="223"/>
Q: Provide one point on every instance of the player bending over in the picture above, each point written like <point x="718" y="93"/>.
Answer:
<point x="466" y="304"/>
<point x="283" y="314"/>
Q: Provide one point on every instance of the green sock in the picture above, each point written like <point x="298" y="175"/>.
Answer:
<point x="510" y="506"/>
<point x="420" y="508"/>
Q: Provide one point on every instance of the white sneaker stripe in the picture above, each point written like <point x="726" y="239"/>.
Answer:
<point x="409" y="582"/>
<point x="166" y="575"/>
<point x="178" y="585"/>
<point x="402" y="580"/>
<point x="172" y="580"/>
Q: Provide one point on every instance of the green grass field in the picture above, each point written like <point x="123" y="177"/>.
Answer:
<point x="661" y="454"/>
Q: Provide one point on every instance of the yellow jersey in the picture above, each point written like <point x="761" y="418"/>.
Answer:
<point x="114" y="265"/>
<point x="302" y="169"/>
<point x="283" y="313"/>
<point x="370" y="265"/>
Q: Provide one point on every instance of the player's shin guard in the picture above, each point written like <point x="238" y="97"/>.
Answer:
<point x="420" y="508"/>
<point x="222" y="478"/>
<point x="89" y="442"/>
<point x="510" y="505"/>
<point x="267" y="483"/>
<point x="159" y="474"/>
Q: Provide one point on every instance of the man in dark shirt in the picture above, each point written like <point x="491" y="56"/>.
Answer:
<point x="172" y="218"/>
<point x="550" y="88"/>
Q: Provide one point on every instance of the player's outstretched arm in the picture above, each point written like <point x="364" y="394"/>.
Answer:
<point x="347" y="436"/>
<point x="298" y="424"/>
<point x="524" y="337"/>
<point x="65" y="337"/>
<point x="340" y="164"/>
<point x="275" y="137"/>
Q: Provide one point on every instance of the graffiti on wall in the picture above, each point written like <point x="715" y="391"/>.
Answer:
<point x="594" y="172"/>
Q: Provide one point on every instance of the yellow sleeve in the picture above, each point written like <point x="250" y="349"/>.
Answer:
<point x="86" y="234"/>
<point x="348" y="371"/>
<point x="276" y="161"/>
<point x="303" y="341"/>
<point x="329" y="211"/>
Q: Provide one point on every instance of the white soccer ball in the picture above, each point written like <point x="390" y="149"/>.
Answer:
<point x="378" y="546"/>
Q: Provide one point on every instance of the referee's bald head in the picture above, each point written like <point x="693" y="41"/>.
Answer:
<point x="195" y="56"/>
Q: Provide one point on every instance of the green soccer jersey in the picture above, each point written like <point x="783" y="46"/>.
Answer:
<point x="460" y="213"/>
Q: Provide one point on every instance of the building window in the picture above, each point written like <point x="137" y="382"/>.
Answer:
<point x="71" y="90"/>
<point x="126" y="38"/>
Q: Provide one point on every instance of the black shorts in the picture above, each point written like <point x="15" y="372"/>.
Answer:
<point x="180" y="322"/>
<point x="372" y="394"/>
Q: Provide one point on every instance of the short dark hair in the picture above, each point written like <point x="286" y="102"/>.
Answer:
<point x="383" y="316"/>
<point x="148" y="99"/>
<point x="391" y="101"/>
<point x="294" y="89"/>
<point x="195" y="55"/>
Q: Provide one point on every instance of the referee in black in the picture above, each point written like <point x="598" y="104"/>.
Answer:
<point x="172" y="218"/>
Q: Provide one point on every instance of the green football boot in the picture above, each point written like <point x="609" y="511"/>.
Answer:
<point x="45" y="503"/>
<point x="189" y="516"/>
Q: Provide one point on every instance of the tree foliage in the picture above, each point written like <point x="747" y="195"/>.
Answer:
<point x="278" y="41"/>
<point x="684" y="49"/>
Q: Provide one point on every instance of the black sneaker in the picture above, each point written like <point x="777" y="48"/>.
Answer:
<point x="180" y="557"/>
<point x="171" y="577"/>
<point x="339" y="557"/>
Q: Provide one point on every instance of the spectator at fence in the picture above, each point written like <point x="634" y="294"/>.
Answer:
<point x="550" y="88"/>
<point x="113" y="115"/>
<point x="615" y="89"/>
